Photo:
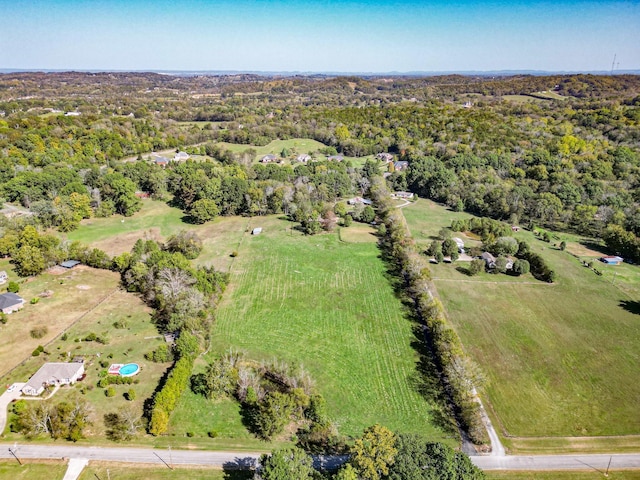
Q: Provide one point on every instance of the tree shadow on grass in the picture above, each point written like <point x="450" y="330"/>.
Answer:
<point x="239" y="469"/>
<point x="631" y="306"/>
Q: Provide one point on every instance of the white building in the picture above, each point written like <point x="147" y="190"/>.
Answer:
<point x="53" y="374"/>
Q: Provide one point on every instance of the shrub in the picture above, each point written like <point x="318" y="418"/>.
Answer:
<point x="212" y="434"/>
<point x="34" y="300"/>
<point x="110" y="392"/>
<point x="13" y="287"/>
<point x="190" y="434"/>
<point x="64" y="336"/>
<point x="347" y="220"/>
<point x="90" y="338"/>
<point x="4" y="318"/>
<point x="234" y="254"/>
<point x="130" y="395"/>
<point x="39" y="332"/>
<point x="161" y="354"/>
<point x="120" y="324"/>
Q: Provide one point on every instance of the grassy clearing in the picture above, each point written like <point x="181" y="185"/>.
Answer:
<point x="558" y="475"/>
<point x="74" y="293"/>
<point x="327" y="305"/>
<point x="561" y="360"/>
<point x="158" y="221"/>
<point x="358" y="233"/>
<point x="295" y="145"/>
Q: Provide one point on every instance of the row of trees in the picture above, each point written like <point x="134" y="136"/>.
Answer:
<point x="459" y="374"/>
<point x="379" y="454"/>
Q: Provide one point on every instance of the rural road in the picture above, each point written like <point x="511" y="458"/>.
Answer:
<point x="597" y="462"/>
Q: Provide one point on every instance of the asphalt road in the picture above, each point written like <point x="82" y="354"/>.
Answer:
<point x="242" y="460"/>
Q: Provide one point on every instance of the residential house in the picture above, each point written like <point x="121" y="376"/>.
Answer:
<point x="356" y="200"/>
<point x="10" y="302"/>
<point x="490" y="260"/>
<point x="161" y="161"/>
<point x="403" y="195"/>
<point x="269" y="158"/>
<point x="181" y="157"/>
<point x="385" y="157"/>
<point x="400" y="165"/>
<point x="53" y="374"/>
<point x="304" y="158"/>
<point x="335" y="158"/>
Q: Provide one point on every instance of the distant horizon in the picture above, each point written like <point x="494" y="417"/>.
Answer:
<point x="506" y="72"/>
<point x="319" y="36"/>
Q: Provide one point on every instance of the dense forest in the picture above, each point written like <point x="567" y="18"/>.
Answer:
<point x="558" y="151"/>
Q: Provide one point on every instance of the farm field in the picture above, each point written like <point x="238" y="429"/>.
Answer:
<point x="326" y="305"/>
<point x="560" y="360"/>
<point x="157" y="221"/>
<point x="74" y="292"/>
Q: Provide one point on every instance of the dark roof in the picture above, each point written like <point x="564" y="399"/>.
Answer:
<point x="70" y="263"/>
<point x="9" y="300"/>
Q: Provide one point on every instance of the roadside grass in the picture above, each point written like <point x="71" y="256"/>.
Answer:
<point x="43" y="470"/>
<point x="157" y="221"/>
<point x="560" y="360"/>
<point x="578" y="445"/>
<point x="328" y="306"/>
<point x="74" y="293"/>
<point x="126" y="472"/>
<point x="562" y="475"/>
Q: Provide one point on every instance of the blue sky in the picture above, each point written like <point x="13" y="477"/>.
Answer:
<point x="314" y="35"/>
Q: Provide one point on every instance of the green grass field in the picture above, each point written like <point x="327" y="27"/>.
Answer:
<point x="561" y="359"/>
<point x="326" y="305"/>
<point x="157" y="220"/>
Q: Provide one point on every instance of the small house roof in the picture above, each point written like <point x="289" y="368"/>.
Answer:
<point x="52" y="372"/>
<point x="256" y="231"/>
<point x="8" y="300"/>
<point x="70" y="263"/>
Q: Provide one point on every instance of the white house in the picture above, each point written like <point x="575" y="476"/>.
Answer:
<point x="10" y="302"/>
<point x="181" y="157"/>
<point x="3" y="277"/>
<point x="304" y="158"/>
<point x="53" y="374"/>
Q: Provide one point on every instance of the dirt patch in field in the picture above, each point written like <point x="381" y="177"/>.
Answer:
<point x="358" y="234"/>
<point x="582" y="251"/>
<point x="83" y="287"/>
<point x="57" y="270"/>
<point x="124" y="242"/>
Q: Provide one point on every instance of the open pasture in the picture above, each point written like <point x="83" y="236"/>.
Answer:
<point x="561" y="359"/>
<point x="157" y="221"/>
<point x="327" y="305"/>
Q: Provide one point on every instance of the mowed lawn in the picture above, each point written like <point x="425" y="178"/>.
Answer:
<point x="326" y="305"/>
<point x="561" y="359"/>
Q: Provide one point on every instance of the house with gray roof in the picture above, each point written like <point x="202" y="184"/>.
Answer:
<point x="53" y="374"/>
<point x="10" y="302"/>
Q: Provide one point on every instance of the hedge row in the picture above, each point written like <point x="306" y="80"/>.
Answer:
<point x="459" y="374"/>
<point x="167" y="398"/>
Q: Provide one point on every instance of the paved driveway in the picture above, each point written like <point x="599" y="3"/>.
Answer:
<point x="5" y="399"/>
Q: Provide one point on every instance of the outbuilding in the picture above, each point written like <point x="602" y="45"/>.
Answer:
<point x="612" y="260"/>
<point x="70" y="264"/>
<point x="256" y="231"/>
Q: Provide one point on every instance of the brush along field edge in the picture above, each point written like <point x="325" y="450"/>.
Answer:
<point x="455" y="367"/>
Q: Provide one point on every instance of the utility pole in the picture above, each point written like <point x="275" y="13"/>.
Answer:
<point x="606" y="474"/>
<point x="12" y="452"/>
<point x="613" y="64"/>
